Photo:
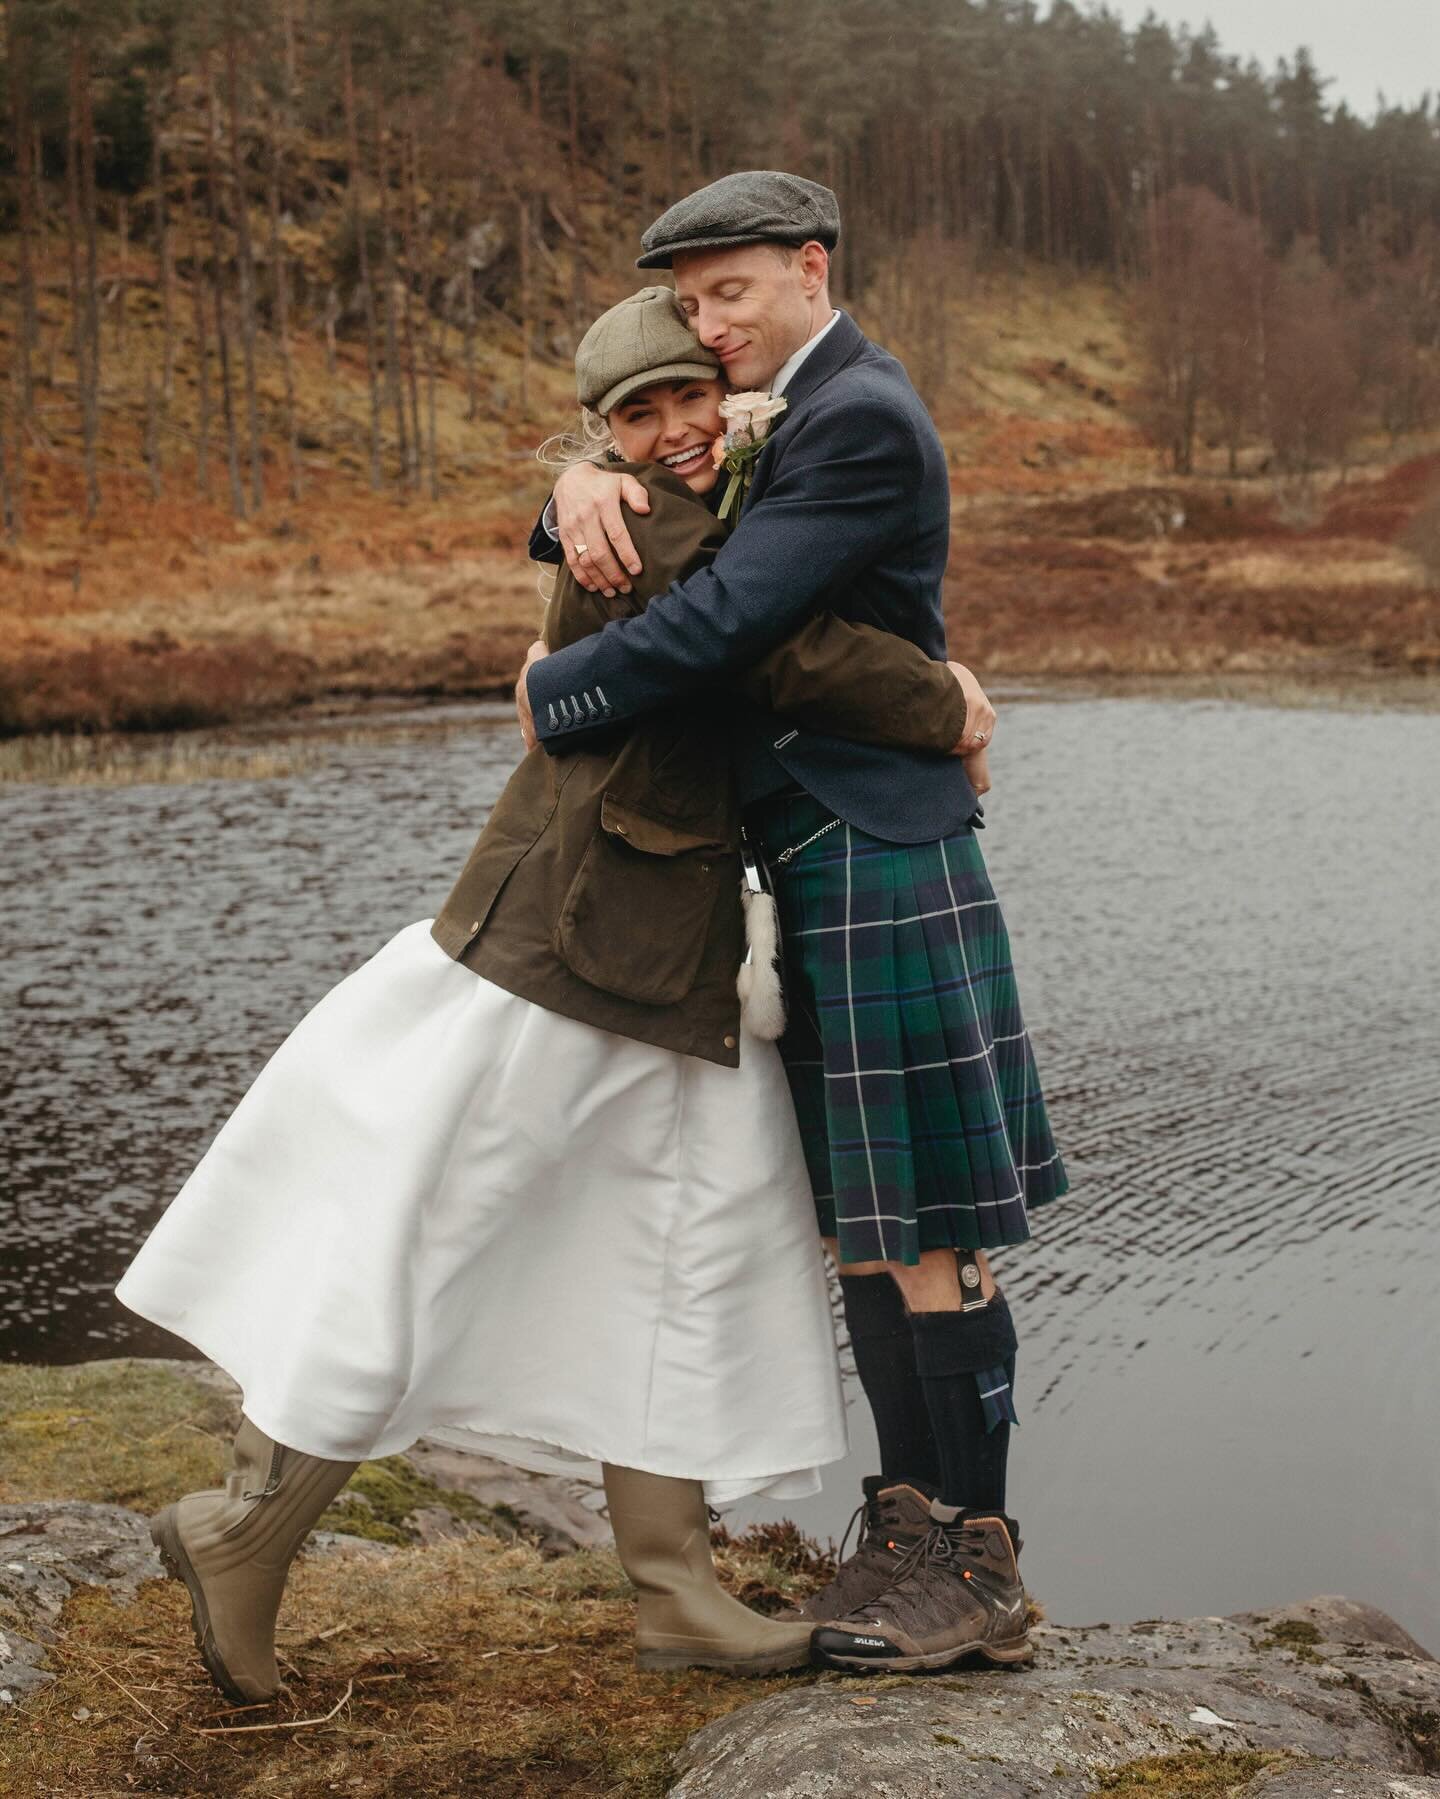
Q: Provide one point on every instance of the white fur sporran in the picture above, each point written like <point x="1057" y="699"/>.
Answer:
<point x="761" y="983"/>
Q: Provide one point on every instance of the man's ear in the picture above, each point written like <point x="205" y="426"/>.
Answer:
<point x="814" y="267"/>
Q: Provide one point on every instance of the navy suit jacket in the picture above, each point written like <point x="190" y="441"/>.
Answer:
<point x="849" y="511"/>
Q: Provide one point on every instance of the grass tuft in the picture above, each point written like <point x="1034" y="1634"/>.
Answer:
<point x="1201" y="1773"/>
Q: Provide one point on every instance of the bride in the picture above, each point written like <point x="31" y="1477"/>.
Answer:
<point x="523" y="1183"/>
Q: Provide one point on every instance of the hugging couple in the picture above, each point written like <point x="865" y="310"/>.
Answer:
<point x="534" y="1180"/>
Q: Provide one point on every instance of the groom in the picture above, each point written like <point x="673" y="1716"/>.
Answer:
<point x="850" y="497"/>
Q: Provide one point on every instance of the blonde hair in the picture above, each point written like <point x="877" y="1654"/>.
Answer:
<point x="586" y="441"/>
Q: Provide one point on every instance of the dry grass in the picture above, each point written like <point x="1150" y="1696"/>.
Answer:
<point x="471" y="1667"/>
<point x="1135" y="581"/>
<point x="116" y="761"/>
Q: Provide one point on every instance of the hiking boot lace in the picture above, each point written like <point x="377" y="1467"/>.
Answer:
<point x="941" y="1545"/>
<point x="855" y="1518"/>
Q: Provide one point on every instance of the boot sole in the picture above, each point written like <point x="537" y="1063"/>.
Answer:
<point x="777" y="1662"/>
<point x="1012" y="1654"/>
<point x="166" y="1538"/>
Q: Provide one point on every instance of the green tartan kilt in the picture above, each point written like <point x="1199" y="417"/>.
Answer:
<point x="915" y="1085"/>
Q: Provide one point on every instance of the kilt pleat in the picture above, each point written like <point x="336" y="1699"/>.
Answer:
<point x="919" y="1102"/>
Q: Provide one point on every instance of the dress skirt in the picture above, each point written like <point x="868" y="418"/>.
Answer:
<point x="914" y="1081"/>
<point x="441" y="1211"/>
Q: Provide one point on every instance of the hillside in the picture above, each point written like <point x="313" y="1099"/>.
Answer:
<point x="1073" y="551"/>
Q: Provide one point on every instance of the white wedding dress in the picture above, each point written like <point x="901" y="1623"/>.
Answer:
<point x="443" y="1211"/>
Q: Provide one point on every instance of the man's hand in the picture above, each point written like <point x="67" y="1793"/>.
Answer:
<point x="522" y="697"/>
<point x="979" y="713"/>
<point x="592" y="527"/>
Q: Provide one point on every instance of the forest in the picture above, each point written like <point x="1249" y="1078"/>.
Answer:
<point x="289" y="291"/>
<point x="431" y="181"/>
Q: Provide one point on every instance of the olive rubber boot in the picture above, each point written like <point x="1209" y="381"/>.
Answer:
<point x="233" y="1546"/>
<point x="957" y="1593"/>
<point x="686" y="1618"/>
<point x="896" y="1516"/>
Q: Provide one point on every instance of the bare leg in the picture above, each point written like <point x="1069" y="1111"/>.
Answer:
<point x="932" y="1285"/>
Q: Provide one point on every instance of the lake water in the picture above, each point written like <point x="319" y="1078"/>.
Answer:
<point x="1224" y="918"/>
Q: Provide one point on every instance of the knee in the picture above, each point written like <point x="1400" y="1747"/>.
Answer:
<point x="933" y="1283"/>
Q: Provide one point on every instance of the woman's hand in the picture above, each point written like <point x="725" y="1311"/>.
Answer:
<point x="592" y="529"/>
<point x="977" y="767"/>
<point x="979" y="713"/>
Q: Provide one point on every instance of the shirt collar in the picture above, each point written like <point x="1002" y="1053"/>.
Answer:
<point x="790" y="368"/>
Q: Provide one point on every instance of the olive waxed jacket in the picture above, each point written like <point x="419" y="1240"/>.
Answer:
<point x="606" y="884"/>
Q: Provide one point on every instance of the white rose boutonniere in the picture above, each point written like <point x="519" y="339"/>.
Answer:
<point x="748" y="418"/>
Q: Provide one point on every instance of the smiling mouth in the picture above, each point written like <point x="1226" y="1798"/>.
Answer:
<point x="686" y="462"/>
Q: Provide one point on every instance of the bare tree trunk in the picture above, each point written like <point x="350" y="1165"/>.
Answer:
<point x="25" y="176"/>
<point x="247" y="267"/>
<point x="12" y="487"/>
<point x="152" y="437"/>
<point x="524" y="211"/>
<point x="393" y="385"/>
<point x="166" y="255"/>
<point x="667" y="121"/>
<point x="282" y="311"/>
<point x="80" y="184"/>
<point x="92" y="284"/>
<point x="202" y="341"/>
<point x="362" y="250"/>
<point x="329" y="320"/>
<point x="80" y="349"/>
<point x="419" y="246"/>
<point x="122" y="221"/>
<point x="217" y="267"/>
<point x="472" y="388"/>
<point x="7" y="502"/>
<point x="407" y="244"/>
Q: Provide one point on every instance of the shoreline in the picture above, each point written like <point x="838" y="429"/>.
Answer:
<point x="294" y="739"/>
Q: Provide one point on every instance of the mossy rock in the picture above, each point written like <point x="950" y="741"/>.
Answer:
<point x="381" y="1498"/>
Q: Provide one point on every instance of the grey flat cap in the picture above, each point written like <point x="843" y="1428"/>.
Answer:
<point x="757" y="206"/>
<point x="642" y="340"/>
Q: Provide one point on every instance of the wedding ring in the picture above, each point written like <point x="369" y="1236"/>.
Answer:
<point x="579" y="548"/>
<point x="980" y="736"/>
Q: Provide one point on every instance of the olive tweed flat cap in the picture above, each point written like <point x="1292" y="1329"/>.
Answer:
<point x="756" y="206"/>
<point x="643" y="339"/>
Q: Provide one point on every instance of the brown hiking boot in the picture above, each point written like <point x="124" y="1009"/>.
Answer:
<point x="957" y="1593"/>
<point x="896" y="1517"/>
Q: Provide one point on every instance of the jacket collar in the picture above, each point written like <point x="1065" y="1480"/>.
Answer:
<point x="842" y="343"/>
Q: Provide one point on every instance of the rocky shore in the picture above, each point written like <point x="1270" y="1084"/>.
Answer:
<point x="489" y="1605"/>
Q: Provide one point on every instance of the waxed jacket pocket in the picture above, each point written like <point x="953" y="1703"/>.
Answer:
<point x="637" y="916"/>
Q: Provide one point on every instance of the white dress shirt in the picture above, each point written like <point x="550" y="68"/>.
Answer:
<point x="790" y="366"/>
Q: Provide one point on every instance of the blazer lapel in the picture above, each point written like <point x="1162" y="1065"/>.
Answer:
<point x="841" y="344"/>
<point x="840" y="347"/>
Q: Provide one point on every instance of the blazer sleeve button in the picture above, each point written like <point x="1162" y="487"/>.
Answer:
<point x="729" y="1043"/>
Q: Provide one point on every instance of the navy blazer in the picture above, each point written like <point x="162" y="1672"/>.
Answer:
<point x="851" y="496"/>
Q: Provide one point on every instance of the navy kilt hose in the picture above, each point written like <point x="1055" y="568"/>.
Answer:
<point x="919" y="1103"/>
